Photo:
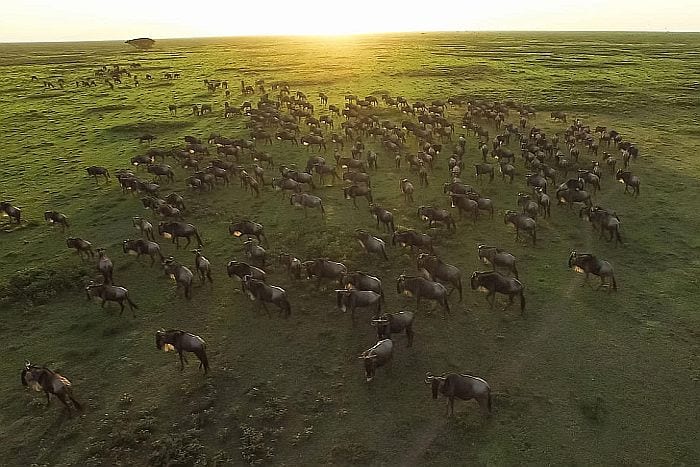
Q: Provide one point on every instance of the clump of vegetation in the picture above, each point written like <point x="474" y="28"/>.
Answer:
<point x="178" y="449"/>
<point x="37" y="285"/>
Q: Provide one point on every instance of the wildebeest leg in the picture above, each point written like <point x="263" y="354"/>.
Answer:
<point x="264" y="305"/>
<point x="493" y="298"/>
<point x="62" y="397"/>
<point x="121" y="304"/>
<point x="48" y="398"/>
<point x="75" y="402"/>
<point x="182" y="358"/>
<point x="188" y="241"/>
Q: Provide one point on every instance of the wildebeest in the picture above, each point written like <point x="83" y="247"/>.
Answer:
<point x="413" y="239"/>
<point x="306" y="200"/>
<point x="182" y="275"/>
<point x="630" y="181"/>
<point x="433" y="215"/>
<point x="262" y="293"/>
<point x="7" y="209"/>
<point x="240" y="270"/>
<point x="362" y="281"/>
<point x="104" y="265"/>
<point x="544" y="203"/>
<point x="494" y="282"/>
<point x="484" y="169"/>
<point x="382" y="215"/>
<point x="463" y="387"/>
<point x="587" y="263"/>
<point x="175" y="230"/>
<point x="377" y="356"/>
<point x="255" y="252"/>
<point x="464" y="203"/>
<point x="55" y="217"/>
<point x="353" y="298"/>
<point x="605" y="220"/>
<point x="142" y="247"/>
<point x="144" y="227"/>
<point x="370" y="243"/>
<point x="291" y="263"/>
<point x="50" y="382"/>
<point x="521" y="222"/>
<point x="81" y="246"/>
<point x="181" y="341"/>
<point x="111" y="293"/>
<point x="497" y="258"/>
<point x="407" y="189"/>
<point x="529" y="207"/>
<point x="355" y="191"/>
<point x="96" y="171"/>
<point x="162" y="170"/>
<point x="247" y="227"/>
<point x="439" y="270"/>
<point x="324" y="268"/>
<point x="558" y="115"/>
<point x="395" y="323"/>
<point x="420" y="287"/>
<point x="569" y="196"/>
<point x="202" y="265"/>
<point x="537" y="181"/>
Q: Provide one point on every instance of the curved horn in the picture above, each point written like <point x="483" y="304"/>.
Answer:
<point x="429" y="378"/>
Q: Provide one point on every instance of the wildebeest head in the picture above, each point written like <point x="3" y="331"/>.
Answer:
<point x="474" y="280"/>
<point x="435" y="382"/>
<point x="400" y="283"/>
<point x="572" y="258"/>
<point x="341" y="299"/>
<point x="160" y="339"/>
<point x="383" y="325"/>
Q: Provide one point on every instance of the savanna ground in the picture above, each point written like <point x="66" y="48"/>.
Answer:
<point x="585" y="377"/>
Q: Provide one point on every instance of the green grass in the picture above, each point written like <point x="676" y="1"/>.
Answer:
<point x="584" y="378"/>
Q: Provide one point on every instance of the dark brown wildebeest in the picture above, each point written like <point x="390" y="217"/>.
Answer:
<point x="362" y="281"/>
<point x="507" y="170"/>
<point x="240" y="270"/>
<point x="142" y="159"/>
<point x="457" y="188"/>
<point x="262" y="293"/>
<point x="144" y="227"/>
<point x="55" y="217"/>
<point x="313" y="140"/>
<point x="354" y="298"/>
<point x="436" y="269"/>
<point x="494" y="282"/>
<point x="536" y="181"/>
<point x="521" y="222"/>
<point x="248" y="228"/>
<point x="587" y="263"/>
<point x="50" y="382"/>
<point x="413" y="239"/>
<point x="202" y="265"/>
<point x="181" y="341"/>
<point x="568" y="196"/>
<point x="377" y="356"/>
<point x="370" y="243"/>
<point x="291" y="263"/>
<point x="407" y="189"/>
<point x="96" y="171"/>
<point x="7" y="209"/>
<point x="357" y="177"/>
<point x="543" y="202"/>
<point x="630" y="181"/>
<point x="463" y="387"/>
<point x="324" y="268"/>
<point x="176" y="200"/>
<point x="322" y="170"/>
<point x="558" y="115"/>
<point x="464" y="203"/>
<point x="142" y="247"/>
<point x="256" y="253"/>
<point x="81" y="246"/>
<point x="421" y="287"/>
<point x="306" y="200"/>
<point x="395" y="323"/>
<point x="483" y="204"/>
<point x="433" y="215"/>
<point x="355" y="191"/>
<point x="104" y="265"/>
<point x="605" y="220"/>
<point x="180" y="274"/>
<point x="175" y="230"/>
<point x="286" y="184"/>
<point x="529" y="207"/>
<point x="111" y="293"/>
<point x="497" y="258"/>
<point x="382" y="215"/>
<point x="172" y="108"/>
<point x="484" y="169"/>
<point x="162" y="170"/>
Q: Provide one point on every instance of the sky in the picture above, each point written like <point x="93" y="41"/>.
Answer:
<point x="75" y="20"/>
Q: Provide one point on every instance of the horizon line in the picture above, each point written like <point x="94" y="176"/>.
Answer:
<point x="241" y="36"/>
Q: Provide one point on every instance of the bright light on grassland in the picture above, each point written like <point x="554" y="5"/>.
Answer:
<point x="37" y="20"/>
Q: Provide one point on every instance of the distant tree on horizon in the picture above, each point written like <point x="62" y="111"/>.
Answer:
<point x="143" y="43"/>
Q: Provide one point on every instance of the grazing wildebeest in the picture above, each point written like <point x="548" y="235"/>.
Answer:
<point x="55" y="217"/>
<point x="50" y="382"/>
<point x="353" y="298"/>
<point x="439" y="270"/>
<point x="240" y="270"/>
<point x="497" y="258"/>
<point x="464" y="387"/>
<point x="11" y="211"/>
<point x="142" y="159"/>
<point x="180" y="274"/>
<point x="494" y="282"/>
<point x="176" y="200"/>
<point x="111" y="293"/>
<point x="324" y="268"/>
<point x="421" y="287"/>
<point x="587" y="263"/>
<point x="407" y="189"/>
<point x="521" y="222"/>
<point x="377" y="356"/>
<point x="355" y="191"/>
<point x="81" y="246"/>
<point x="247" y="227"/>
<point x="306" y="200"/>
<point x="370" y="243"/>
<point x="630" y="181"/>
<point x="181" y="341"/>
<point x="104" y="265"/>
<point x="413" y="239"/>
<point x="175" y="230"/>
<point x="464" y="203"/>
<point x="262" y="293"/>
<point x="95" y="171"/>
<point x="142" y="247"/>
<point x="606" y="220"/>
<point x="202" y="265"/>
<point x="395" y="323"/>
<point x="144" y="227"/>
<point x="382" y="215"/>
<point x="433" y="215"/>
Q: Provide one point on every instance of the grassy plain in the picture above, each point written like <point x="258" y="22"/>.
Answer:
<point x="584" y="378"/>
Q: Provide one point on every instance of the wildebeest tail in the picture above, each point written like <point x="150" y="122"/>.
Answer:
<point x="199" y="239"/>
<point x="522" y="302"/>
<point x="132" y="304"/>
<point x="386" y="258"/>
<point x="490" y="405"/>
<point x="614" y="283"/>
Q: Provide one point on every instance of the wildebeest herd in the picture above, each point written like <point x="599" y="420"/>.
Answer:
<point x="418" y="141"/>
